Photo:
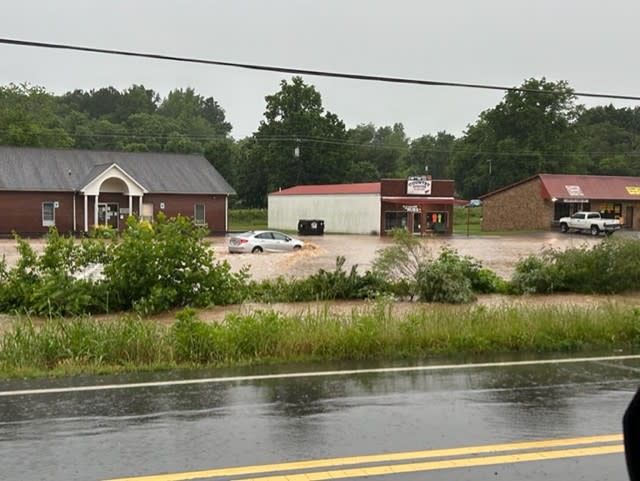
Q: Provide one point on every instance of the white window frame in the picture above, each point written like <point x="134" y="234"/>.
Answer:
<point x="204" y="214"/>
<point x="49" y="222"/>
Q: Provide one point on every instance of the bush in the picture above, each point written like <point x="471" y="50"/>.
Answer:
<point x="52" y="284"/>
<point x="152" y="268"/>
<point x="321" y="286"/>
<point x="610" y="267"/>
<point x="170" y="265"/>
<point x="444" y="280"/>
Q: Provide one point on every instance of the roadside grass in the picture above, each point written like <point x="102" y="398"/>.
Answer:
<point x="87" y="345"/>
<point x="242" y="220"/>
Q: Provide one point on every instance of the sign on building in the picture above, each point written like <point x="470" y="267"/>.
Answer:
<point x="412" y="208"/>
<point x="418" y="185"/>
<point x="574" y="190"/>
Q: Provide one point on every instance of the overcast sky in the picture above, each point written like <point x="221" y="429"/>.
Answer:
<point x="590" y="43"/>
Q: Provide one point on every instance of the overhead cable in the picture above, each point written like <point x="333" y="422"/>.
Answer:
<point x="300" y="71"/>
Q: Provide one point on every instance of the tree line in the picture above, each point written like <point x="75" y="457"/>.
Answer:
<point x="541" y="129"/>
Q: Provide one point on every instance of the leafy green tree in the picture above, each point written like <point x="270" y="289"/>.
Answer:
<point x="384" y="147"/>
<point x="224" y="155"/>
<point x="430" y="154"/>
<point x="529" y="132"/>
<point x="610" y="138"/>
<point x="28" y="118"/>
<point x="135" y="100"/>
<point x="298" y="142"/>
<point x="194" y="114"/>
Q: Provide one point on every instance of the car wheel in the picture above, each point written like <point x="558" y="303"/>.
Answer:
<point x="297" y="248"/>
<point x="256" y="250"/>
<point x="564" y="228"/>
<point x="595" y="230"/>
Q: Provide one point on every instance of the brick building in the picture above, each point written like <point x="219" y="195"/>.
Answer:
<point x="537" y="202"/>
<point x="74" y="190"/>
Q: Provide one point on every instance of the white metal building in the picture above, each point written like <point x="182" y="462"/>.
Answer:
<point x="345" y="208"/>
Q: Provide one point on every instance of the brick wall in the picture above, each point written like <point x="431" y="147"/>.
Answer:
<point x="22" y="211"/>
<point x="518" y="208"/>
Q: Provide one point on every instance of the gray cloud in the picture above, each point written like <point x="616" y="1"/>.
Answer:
<point x="589" y="43"/>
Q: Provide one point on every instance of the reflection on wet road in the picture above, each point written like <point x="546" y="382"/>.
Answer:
<point x="478" y="415"/>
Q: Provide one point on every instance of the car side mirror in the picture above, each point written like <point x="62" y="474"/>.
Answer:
<point x="288" y="239"/>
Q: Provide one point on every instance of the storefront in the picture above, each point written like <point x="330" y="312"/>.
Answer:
<point x="538" y="202"/>
<point x="419" y="204"/>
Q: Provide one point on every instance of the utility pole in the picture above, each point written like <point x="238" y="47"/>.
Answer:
<point x="490" y="161"/>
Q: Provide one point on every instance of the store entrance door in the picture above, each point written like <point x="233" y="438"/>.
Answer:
<point x="108" y="215"/>
<point x="417" y="223"/>
<point x="628" y="217"/>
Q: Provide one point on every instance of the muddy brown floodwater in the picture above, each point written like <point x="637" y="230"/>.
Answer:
<point x="498" y="253"/>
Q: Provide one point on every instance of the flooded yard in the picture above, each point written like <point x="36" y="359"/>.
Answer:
<point x="498" y="253"/>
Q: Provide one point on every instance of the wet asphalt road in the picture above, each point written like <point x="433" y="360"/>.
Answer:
<point x="117" y="433"/>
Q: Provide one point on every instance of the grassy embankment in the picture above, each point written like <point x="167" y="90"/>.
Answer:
<point x="241" y="220"/>
<point x="86" y="345"/>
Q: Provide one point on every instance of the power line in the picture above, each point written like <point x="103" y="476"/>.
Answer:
<point x="163" y="137"/>
<point x="299" y="71"/>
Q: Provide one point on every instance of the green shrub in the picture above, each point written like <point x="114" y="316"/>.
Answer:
<point x="444" y="280"/>
<point x="103" y="232"/>
<point x="167" y="265"/>
<point x="323" y="285"/>
<point x="609" y="267"/>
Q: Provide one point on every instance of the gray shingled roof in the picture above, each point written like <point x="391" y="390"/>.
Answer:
<point x="26" y="168"/>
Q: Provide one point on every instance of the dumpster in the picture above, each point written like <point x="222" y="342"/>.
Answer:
<point x="310" y="227"/>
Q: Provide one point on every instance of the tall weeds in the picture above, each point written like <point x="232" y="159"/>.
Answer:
<point x="86" y="344"/>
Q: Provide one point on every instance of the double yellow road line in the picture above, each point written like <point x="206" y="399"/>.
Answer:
<point x="396" y="463"/>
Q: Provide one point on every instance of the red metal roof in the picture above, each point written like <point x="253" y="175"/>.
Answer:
<point x="327" y="189"/>
<point x="590" y="187"/>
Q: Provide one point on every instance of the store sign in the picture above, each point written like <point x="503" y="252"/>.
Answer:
<point x="412" y="208"/>
<point x="418" y="185"/>
<point x="633" y="189"/>
<point x="575" y="201"/>
<point x="574" y="190"/>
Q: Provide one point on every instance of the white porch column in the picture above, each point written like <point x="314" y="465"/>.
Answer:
<point x="86" y="213"/>
<point x="95" y="211"/>
<point x="140" y="207"/>
<point x="130" y="204"/>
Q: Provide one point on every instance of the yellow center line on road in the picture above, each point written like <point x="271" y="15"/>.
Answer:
<point x="402" y="456"/>
<point x="445" y="464"/>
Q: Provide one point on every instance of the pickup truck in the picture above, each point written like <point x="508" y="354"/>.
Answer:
<point x="589" y="222"/>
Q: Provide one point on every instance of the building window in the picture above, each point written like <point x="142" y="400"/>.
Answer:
<point x="147" y="212"/>
<point x="198" y="214"/>
<point x="436" y="220"/>
<point x="48" y="214"/>
<point x="395" y="220"/>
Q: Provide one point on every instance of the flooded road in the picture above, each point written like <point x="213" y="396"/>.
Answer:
<point x="499" y="253"/>
<point x="241" y="418"/>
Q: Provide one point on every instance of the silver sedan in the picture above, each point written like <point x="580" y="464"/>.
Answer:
<point x="263" y="241"/>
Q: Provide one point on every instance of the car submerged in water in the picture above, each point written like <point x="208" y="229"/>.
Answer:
<point x="263" y="241"/>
